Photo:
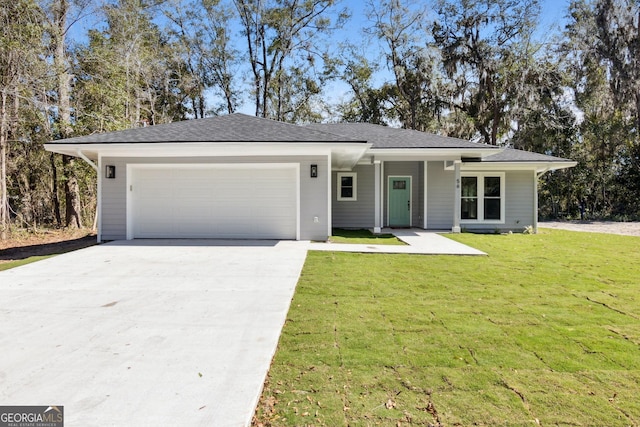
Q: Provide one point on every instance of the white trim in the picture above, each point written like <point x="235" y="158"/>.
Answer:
<point x="433" y="153"/>
<point x="424" y="196"/>
<point x="225" y="149"/>
<point x="381" y="207"/>
<point x="480" y="176"/>
<point x="517" y="166"/>
<point x="133" y="166"/>
<point x="129" y="207"/>
<point x="296" y="167"/>
<point x="410" y="196"/>
<point x="86" y="159"/>
<point x="535" y="202"/>
<point x="345" y="154"/>
<point x="377" y="198"/>
<point x="329" y="197"/>
<point x="99" y="201"/>
<point x="354" y="180"/>
<point x="457" y="201"/>
<point x="95" y="167"/>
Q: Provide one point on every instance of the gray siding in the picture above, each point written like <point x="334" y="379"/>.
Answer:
<point x="313" y="202"/>
<point x="519" y="210"/>
<point x="314" y="199"/>
<point x="415" y="171"/>
<point x="114" y="201"/>
<point x="519" y="200"/>
<point x="440" y="196"/>
<point x="359" y="213"/>
<point x="519" y="203"/>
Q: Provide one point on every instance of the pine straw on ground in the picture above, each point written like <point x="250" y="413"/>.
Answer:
<point x="23" y="244"/>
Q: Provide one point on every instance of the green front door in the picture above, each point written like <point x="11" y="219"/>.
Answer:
<point x="399" y="202"/>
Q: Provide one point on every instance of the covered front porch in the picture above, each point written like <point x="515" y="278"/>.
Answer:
<point x="435" y="194"/>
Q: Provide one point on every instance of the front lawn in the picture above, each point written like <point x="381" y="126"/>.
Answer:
<point x="362" y="237"/>
<point x="543" y="331"/>
<point x="17" y="263"/>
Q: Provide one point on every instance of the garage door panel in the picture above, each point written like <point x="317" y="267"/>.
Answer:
<point x="211" y="202"/>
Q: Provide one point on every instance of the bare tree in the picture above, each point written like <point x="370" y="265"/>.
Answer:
<point x="277" y="33"/>
<point x="402" y="27"/>
<point x="21" y="29"/>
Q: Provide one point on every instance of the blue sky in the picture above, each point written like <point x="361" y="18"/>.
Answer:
<point x="552" y="18"/>
<point x="551" y="21"/>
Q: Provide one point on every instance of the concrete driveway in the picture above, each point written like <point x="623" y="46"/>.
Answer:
<point x="147" y="332"/>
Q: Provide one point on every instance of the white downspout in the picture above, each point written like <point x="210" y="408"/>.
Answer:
<point x="330" y="183"/>
<point x="424" y="195"/>
<point x="88" y="160"/>
<point x="382" y="204"/>
<point x="457" y="194"/>
<point x="377" y="197"/>
<point x="98" y="196"/>
<point x="536" y="177"/>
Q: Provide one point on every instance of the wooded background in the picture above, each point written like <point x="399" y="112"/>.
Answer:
<point x="480" y="70"/>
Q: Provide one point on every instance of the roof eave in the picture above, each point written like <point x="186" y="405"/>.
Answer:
<point x="538" y="166"/>
<point x="188" y="149"/>
<point x="433" y="153"/>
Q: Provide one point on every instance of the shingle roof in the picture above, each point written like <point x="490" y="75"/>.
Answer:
<point x="240" y="128"/>
<point x="514" y="155"/>
<point x="231" y="128"/>
<point x="383" y="137"/>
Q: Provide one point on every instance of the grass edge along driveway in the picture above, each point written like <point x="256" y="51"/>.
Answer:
<point x="543" y="331"/>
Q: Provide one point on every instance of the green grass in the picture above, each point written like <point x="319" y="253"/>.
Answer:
<point x="546" y="329"/>
<point x="18" y="263"/>
<point x="363" y="237"/>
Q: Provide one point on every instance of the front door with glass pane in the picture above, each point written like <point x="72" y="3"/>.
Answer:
<point x="399" y="201"/>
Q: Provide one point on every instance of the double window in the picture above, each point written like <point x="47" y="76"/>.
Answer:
<point x="347" y="186"/>
<point x="482" y="197"/>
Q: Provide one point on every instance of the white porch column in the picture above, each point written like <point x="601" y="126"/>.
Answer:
<point x="456" y="204"/>
<point x="424" y="196"/>
<point x="329" y="188"/>
<point x="377" y="197"/>
<point x="535" y="202"/>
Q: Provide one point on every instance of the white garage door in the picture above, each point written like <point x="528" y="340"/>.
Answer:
<point x="213" y="201"/>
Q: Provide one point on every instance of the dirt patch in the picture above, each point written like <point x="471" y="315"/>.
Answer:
<point x="24" y="244"/>
<point x="610" y="227"/>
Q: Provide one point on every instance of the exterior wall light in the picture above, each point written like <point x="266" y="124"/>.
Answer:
<point x="314" y="171"/>
<point x="110" y="172"/>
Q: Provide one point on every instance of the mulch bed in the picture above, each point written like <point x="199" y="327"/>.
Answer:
<point x="50" y="242"/>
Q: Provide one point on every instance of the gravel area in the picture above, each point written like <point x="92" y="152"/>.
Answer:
<point x="624" y="228"/>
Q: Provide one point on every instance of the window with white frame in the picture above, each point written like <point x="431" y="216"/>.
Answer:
<point x="482" y="197"/>
<point x="347" y="186"/>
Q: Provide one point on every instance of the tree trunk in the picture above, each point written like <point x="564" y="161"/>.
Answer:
<point x="71" y="194"/>
<point x="54" y="190"/>
<point x="71" y="188"/>
<point x="4" y="203"/>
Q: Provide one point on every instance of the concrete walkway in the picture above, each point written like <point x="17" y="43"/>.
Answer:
<point x="147" y="333"/>
<point x="418" y="241"/>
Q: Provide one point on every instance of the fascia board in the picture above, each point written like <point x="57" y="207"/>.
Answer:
<point x="207" y="149"/>
<point x="387" y="154"/>
<point x="513" y="166"/>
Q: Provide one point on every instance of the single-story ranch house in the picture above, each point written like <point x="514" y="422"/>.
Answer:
<point x="239" y="176"/>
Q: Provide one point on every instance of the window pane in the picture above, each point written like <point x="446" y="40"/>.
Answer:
<point x="469" y="186"/>
<point x="491" y="208"/>
<point x="469" y="209"/>
<point x="492" y="186"/>
<point x="346" y="192"/>
<point x="399" y="185"/>
<point x="346" y="181"/>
